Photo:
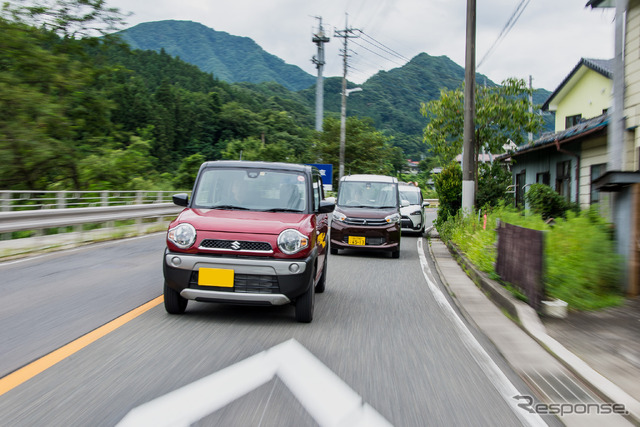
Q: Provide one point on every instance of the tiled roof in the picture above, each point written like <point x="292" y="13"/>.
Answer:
<point x="602" y="66"/>
<point x="585" y="127"/>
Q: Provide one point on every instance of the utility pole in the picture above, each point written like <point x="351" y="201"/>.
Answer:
<point x="346" y="34"/>
<point x="616" y="155"/>
<point x="319" y="39"/>
<point x="468" y="145"/>
<point x="530" y="135"/>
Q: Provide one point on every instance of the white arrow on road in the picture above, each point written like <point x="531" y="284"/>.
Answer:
<point x="328" y="399"/>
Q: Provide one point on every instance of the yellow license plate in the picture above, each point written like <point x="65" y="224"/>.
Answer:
<point x="355" y="240"/>
<point x="215" y="277"/>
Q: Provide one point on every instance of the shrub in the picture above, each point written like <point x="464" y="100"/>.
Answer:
<point x="493" y="180"/>
<point x="542" y="200"/>
<point x="581" y="264"/>
<point x="449" y="188"/>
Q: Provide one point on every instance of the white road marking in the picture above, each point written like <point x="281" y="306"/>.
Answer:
<point x="499" y="380"/>
<point x="329" y="400"/>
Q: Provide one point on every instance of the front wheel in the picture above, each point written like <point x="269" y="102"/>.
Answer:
<point x="305" y="303"/>
<point x="173" y="302"/>
<point x="323" y="279"/>
<point x="395" y="254"/>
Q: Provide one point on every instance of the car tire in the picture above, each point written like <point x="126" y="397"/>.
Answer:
<point x="305" y="303"/>
<point x="173" y="302"/>
<point x="323" y="279"/>
<point x="395" y="254"/>
<point x="334" y="251"/>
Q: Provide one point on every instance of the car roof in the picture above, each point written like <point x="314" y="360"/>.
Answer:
<point x="370" y="178"/>
<point x="257" y="165"/>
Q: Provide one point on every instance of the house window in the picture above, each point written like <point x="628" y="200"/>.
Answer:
<point x="563" y="179"/>
<point x="570" y="121"/>
<point x="596" y="172"/>
<point x="543" y="178"/>
<point x="520" y="183"/>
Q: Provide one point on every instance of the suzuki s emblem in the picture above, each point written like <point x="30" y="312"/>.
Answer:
<point x="364" y="222"/>
<point x="235" y="245"/>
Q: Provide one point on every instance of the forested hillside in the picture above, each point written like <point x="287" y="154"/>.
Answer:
<point x="229" y="58"/>
<point x="82" y="112"/>
<point x="391" y="98"/>
<point x="91" y="113"/>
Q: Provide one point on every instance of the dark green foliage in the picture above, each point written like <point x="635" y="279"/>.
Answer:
<point x="187" y="171"/>
<point x="366" y="149"/>
<point x="544" y="201"/>
<point x="449" y="188"/>
<point x="493" y="180"/>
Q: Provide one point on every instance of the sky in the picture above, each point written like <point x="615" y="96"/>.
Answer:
<point x="544" y="40"/>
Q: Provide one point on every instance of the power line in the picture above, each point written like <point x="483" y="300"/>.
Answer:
<point x="383" y="47"/>
<point x="376" y="53"/>
<point x="506" y="29"/>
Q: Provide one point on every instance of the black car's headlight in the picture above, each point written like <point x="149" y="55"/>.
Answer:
<point x="339" y="216"/>
<point x="291" y="241"/>
<point x="182" y="235"/>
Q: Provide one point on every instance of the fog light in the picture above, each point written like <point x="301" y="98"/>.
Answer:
<point x="294" y="268"/>
<point x="176" y="261"/>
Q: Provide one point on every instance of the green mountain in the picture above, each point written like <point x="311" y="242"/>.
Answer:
<point x="391" y="98"/>
<point x="229" y="58"/>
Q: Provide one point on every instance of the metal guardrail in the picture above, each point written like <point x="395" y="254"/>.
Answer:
<point x="55" y="218"/>
<point x="20" y="200"/>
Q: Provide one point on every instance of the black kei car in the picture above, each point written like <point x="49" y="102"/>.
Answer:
<point x="253" y="233"/>
<point x="367" y="215"/>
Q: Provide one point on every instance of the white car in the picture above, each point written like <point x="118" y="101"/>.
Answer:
<point x="413" y="214"/>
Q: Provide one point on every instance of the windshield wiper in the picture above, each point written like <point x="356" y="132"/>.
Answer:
<point x="229" y="207"/>
<point x="282" y="210"/>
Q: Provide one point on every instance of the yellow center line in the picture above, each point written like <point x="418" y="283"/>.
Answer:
<point x="29" y="371"/>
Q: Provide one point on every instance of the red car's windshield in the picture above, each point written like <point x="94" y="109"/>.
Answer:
<point x="250" y="189"/>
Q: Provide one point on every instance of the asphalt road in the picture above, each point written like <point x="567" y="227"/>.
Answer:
<point x="377" y="327"/>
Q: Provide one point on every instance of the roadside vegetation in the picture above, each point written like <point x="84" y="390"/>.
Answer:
<point x="581" y="264"/>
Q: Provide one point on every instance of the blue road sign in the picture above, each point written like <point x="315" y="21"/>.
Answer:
<point x="326" y="172"/>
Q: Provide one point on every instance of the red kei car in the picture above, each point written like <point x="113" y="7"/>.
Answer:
<point x="252" y="233"/>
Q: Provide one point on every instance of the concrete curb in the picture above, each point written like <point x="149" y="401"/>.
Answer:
<point x="528" y="320"/>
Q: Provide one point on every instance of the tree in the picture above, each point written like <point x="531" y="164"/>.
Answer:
<point x="66" y="18"/>
<point x="493" y="180"/>
<point x="449" y="188"/>
<point x="502" y="114"/>
<point x="367" y="150"/>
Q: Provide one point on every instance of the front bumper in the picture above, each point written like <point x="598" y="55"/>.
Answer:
<point x="257" y="281"/>
<point x="411" y="222"/>
<point x="377" y="238"/>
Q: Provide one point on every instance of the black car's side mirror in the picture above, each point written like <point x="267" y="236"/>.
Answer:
<point x="326" y="206"/>
<point x="181" y="199"/>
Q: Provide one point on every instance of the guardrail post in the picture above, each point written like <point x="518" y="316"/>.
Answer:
<point x="5" y="201"/>
<point x="62" y="202"/>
